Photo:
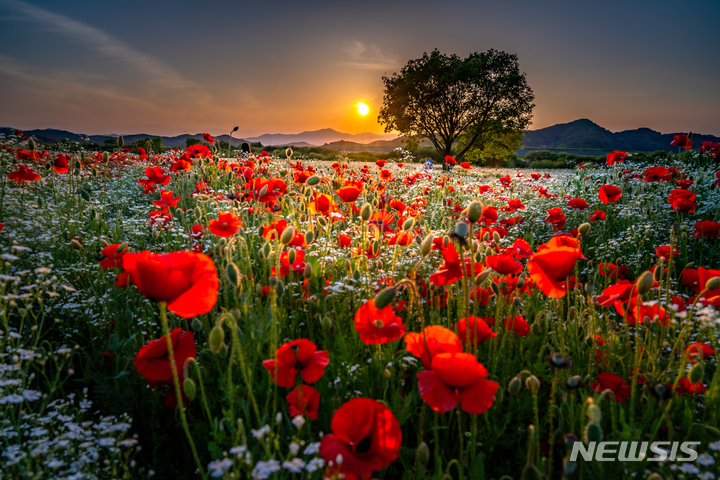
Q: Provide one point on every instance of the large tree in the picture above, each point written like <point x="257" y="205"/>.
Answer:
<point x="441" y="97"/>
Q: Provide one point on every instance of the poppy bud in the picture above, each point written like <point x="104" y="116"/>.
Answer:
<point x="478" y="257"/>
<point x="308" y="270"/>
<point x="530" y="472"/>
<point x="712" y="431"/>
<point x="657" y="273"/>
<point x="266" y="249"/>
<point x="288" y="152"/>
<point x="75" y="244"/>
<point x="496" y="237"/>
<point x="233" y="274"/>
<point x="292" y="254"/>
<point x="309" y="237"/>
<point x="423" y="453"/>
<point x="216" y="338"/>
<point x="322" y="221"/>
<point x="594" y="413"/>
<point x="517" y="302"/>
<point x="462" y="229"/>
<point x="376" y="247"/>
<point x="474" y="211"/>
<point x="502" y="285"/>
<point x="387" y="374"/>
<point x="384" y="297"/>
<point x="584" y="229"/>
<point x="696" y="374"/>
<point x="713" y="283"/>
<point x="532" y="383"/>
<point x="514" y="386"/>
<point x="520" y="283"/>
<point x="85" y="195"/>
<point x="655" y="476"/>
<point x="593" y="433"/>
<point x="196" y="324"/>
<point x="104" y="242"/>
<point x="446" y="240"/>
<point x="644" y="283"/>
<point x="486" y="236"/>
<point x="258" y="289"/>
<point x="31" y="144"/>
<point x="589" y="288"/>
<point x="287" y="235"/>
<point x="494" y="286"/>
<point x="426" y="245"/>
<point x="366" y="212"/>
<point x="189" y="389"/>
<point x="326" y="323"/>
<point x="535" y="328"/>
<point x="263" y="191"/>
<point x="120" y="141"/>
<point x="480" y="279"/>
<point x="356" y="275"/>
<point x="408" y="224"/>
<point x="312" y="181"/>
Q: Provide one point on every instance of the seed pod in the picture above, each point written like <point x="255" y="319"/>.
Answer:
<point x="644" y="283"/>
<point x="713" y="283"/>
<point x="288" y="153"/>
<point x="233" y="274"/>
<point x="657" y="273"/>
<point x="366" y="212"/>
<point x="262" y="191"/>
<point x="594" y="413"/>
<point x="408" y="224"/>
<point x="292" y="255"/>
<point x="287" y="235"/>
<point x="462" y="229"/>
<point x="216" y="338"/>
<point x="514" y="386"/>
<point x="31" y="144"/>
<point x="357" y="275"/>
<point x="120" y="141"/>
<point x="308" y="270"/>
<point x="494" y="286"/>
<point x="387" y="374"/>
<point x="426" y="245"/>
<point x="520" y="283"/>
<point x="532" y="383"/>
<point x="196" y="324"/>
<point x="309" y="237"/>
<point x="478" y="257"/>
<point x="322" y="221"/>
<point x="384" y="297"/>
<point x="326" y="323"/>
<point x="266" y="249"/>
<point x="584" y="229"/>
<point x="85" y="195"/>
<point x="696" y="374"/>
<point x="258" y="289"/>
<point x="75" y="244"/>
<point x="474" y="211"/>
<point x="312" y="181"/>
<point x="104" y="242"/>
<point x="189" y="389"/>
<point x="423" y="454"/>
<point x="590" y="288"/>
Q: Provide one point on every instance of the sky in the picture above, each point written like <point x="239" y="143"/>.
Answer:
<point x="173" y="67"/>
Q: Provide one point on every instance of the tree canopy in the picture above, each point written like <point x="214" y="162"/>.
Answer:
<point x="441" y="97"/>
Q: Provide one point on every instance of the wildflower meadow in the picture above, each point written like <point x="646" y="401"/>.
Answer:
<point x="192" y="313"/>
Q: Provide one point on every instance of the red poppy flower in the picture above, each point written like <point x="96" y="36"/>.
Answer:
<point x="616" y="157"/>
<point x="349" y="193"/>
<point x="578" y="204"/>
<point x="381" y="163"/>
<point x="323" y="204"/>
<point x="474" y="330"/>
<point x="488" y="215"/>
<point x="465" y="165"/>
<point x="552" y="264"/>
<point x="713" y="148"/>
<point x="598" y="216"/>
<point x="696" y="350"/>
<point x="514" y="204"/>
<point x="451" y="269"/>
<point x="681" y="141"/>
<point x="297" y="356"/>
<point x="556" y="218"/>
<point x="612" y="271"/>
<point x="24" y="174"/>
<point x="111" y="257"/>
<point x="518" y="325"/>
<point x="450" y="160"/>
<point x="707" y="229"/>
<point x="285" y="267"/>
<point x="378" y="325"/>
<point x="343" y="240"/>
<point x="503" y="264"/>
<point x="505" y="181"/>
<point x="383" y="221"/>
<point x="187" y="281"/>
<point x="198" y="151"/>
<point x="156" y="176"/>
<point x="657" y="174"/>
<point x="609" y="194"/>
<point x="208" y="138"/>
<point x="665" y="252"/>
<point x="61" y="163"/>
<point x="457" y="377"/>
<point x="615" y="383"/>
<point x="153" y="360"/>
<point x="226" y="225"/>
<point x="431" y="341"/>
<point x="711" y="297"/>
<point x="683" y="205"/>
<point x="684" y="387"/>
<point x="166" y="199"/>
<point x="366" y="435"/>
<point x="402" y="239"/>
<point x="180" y="165"/>
<point x="680" y="193"/>
<point x="303" y="400"/>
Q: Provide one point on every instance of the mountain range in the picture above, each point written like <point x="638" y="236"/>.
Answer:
<point x="580" y="134"/>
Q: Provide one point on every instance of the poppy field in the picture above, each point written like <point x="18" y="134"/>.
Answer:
<point x="189" y="314"/>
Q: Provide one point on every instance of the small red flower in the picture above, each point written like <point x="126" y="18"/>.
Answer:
<point x="707" y="229"/>
<point x="503" y="264"/>
<point x="297" y="356"/>
<point x="303" y="400"/>
<point x="111" y="257"/>
<point x="578" y="204"/>
<point x="518" y="325"/>
<point x="208" y="138"/>
<point x="474" y="330"/>
<point x="614" y="383"/>
<point x="616" y="157"/>
<point x="226" y="225"/>
<point x="681" y="141"/>
<point x="696" y="350"/>
<point x="376" y="325"/>
<point x="24" y="174"/>
<point x="366" y="435"/>
<point x="153" y="360"/>
<point x="609" y="194"/>
<point x="431" y="341"/>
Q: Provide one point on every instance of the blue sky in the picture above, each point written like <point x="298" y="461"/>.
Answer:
<point x="275" y="66"/>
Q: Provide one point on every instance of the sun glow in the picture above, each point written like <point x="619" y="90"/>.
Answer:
<point x="362" y="109"/>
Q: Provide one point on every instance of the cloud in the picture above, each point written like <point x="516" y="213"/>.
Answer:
<point x="156" y="76"/>
<point x="368" y="57"/>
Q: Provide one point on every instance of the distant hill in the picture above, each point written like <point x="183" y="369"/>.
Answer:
<point x="587" y="135"/>
<point x="318" y="137"/>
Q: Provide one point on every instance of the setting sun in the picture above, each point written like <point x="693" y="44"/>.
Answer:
<point x="362" y="108"/>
